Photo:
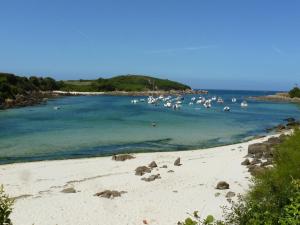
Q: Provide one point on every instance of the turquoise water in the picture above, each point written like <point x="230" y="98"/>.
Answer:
<point x="102" y="125"/>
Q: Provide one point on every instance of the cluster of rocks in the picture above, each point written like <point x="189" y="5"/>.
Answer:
<point x="260" y="155"/>
<point x="141" y="170"/>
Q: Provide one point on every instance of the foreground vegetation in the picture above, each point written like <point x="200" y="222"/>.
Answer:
<point x="5" y="208"/>
<point x="274" y="197"/>
<point x="295" y="92"/>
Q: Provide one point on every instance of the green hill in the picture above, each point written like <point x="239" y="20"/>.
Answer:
<point x="124" y="83"/>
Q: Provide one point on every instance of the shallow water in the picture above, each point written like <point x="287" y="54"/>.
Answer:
<point x="102" y="125"/>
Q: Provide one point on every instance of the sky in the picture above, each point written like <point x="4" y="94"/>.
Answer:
<point x="209" y="44"/>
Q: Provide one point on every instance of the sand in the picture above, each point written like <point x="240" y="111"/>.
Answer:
<point x="38" y="185"/>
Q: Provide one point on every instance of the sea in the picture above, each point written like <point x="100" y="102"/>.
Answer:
<point x="89" y="126"/>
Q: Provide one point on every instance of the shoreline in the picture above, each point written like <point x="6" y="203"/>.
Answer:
<point x="38" y="186"/>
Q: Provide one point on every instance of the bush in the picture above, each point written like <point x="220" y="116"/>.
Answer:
<point x="5" y="207"/>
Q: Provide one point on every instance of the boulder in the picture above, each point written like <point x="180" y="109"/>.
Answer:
<point x="151" y="178"/>
<point x="141" y="170"/>
<point x="122" y="157"/>
<point x="257" y="148"/>
<point x="69" y="190"/>
<point x="246" y="162"/>
<point x="266" y="163"/>
<point x="290" y="119"/>
<point x="170" y="171"/>
<point x="230" y="194"/>
<point x="280" y="127"/>
<point x="255" y="161"/>
<point x="153" y="164"/>
<point x="177" y="162"/>
<point x="256" y="170"/>
<point x="110" y="194"/>
<point x="273" y="141"/>
<point x="164" y="166"/>
<point x="222" y="185"/>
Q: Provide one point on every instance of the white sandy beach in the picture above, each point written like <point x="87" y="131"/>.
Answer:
<point x="163" y="201"/>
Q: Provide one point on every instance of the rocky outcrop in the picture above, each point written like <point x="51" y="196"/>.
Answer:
<point x="258" y="148"/>
<point x="246" y="162"/>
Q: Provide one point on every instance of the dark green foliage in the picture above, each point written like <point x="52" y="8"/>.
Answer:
<point x="5" y="208"/>
<point x="295" y="92"/>
<point x="275" y="195"/>
<point x="11" y="85"/>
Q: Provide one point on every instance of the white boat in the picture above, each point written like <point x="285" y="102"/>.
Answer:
<point x="220" y="100"/>
<point x="214" y="98"/>
<point x="142" y="100"/>
<point x="226" y="109"/>
<point x="134" y="101"/>
<point x="207" y="104"/>
<point x="233" y="100"/>
<point x="193" y="99"/>
<point x="191" y="103"/>
<point x="244" y="104"/>
<point x="168" y="105"/>
<point x="56" y="107"/>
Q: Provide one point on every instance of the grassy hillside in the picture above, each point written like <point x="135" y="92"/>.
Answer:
<point x="124" y="83"/>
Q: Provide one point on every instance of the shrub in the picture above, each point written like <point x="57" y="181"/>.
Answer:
<point x="5" y="207"/>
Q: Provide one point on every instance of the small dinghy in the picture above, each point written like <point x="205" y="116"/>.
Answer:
<point x="244" y="104"/>
<point x="233" y="100"/>
<point x="226" y="109"/>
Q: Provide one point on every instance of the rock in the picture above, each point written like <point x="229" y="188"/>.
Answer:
<point x="290" y="119"/>
<point x="255" y="161"/>
<point x="153" y="164"/>
<point x="246" y="162"/>
<point x="177" y="162"/>
<point x="110" y="194"/>
<point x="69" y="190"/>
<point x="170" y="171"/>
<point x="282" y="137"/>
<point x="280" y="127"/>
<point x="164" y="166"/>
<point x="230" y="194"/>
<point x="122" y="157"/>
<point x="256" y="170"/>
<point x="141" y="170"/>
<point x="267" y="163"/>
<point x="257" y="148"/>
<point x="222" y="185"/>
<point x="273" y="141"/>
<point x="293" y="124"/>
<point x="151" y="178"/>
<point x="217" y="194"/>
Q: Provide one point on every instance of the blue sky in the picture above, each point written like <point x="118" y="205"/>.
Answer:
<point x="206" y="44"/>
